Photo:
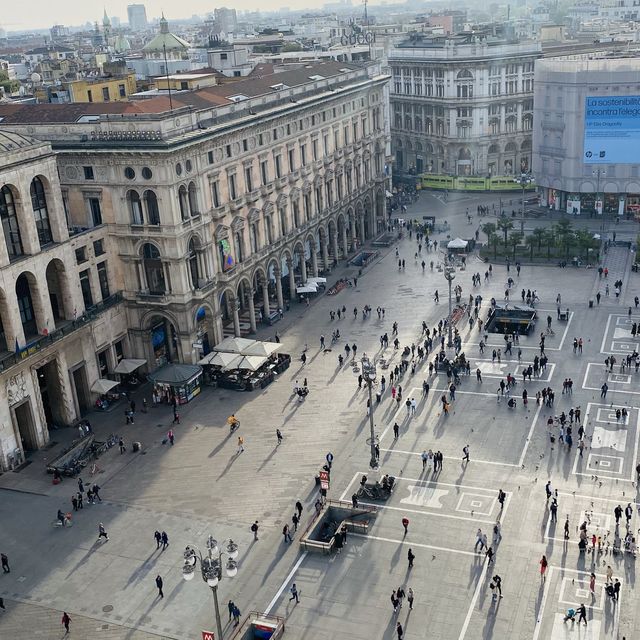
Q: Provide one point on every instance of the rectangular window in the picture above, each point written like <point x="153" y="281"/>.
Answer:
<point x="275" y="134"/>
<point x="245" y="145"/>
<point x="355" y="131"/>
<point x="303" y="154"/>
<point x="88" y="173"/>
<point x="278" y="161"/>
<point x="248" y="179"/>
<point x="264" y="172"/>
<point x="122" y="90"/>
<point x="346" y="136"/>
<point x="81" y="255"/>
<point x="228" y="150"/>
<point x="314" y="144"/>
<point x="336" y="139"/>
<point x="215" y="194"/>
<point x="105" y="94"/>
<point x="210" y="157"/>
<point x="85" y="286"/>
<point x="233" y="193"/>
<point x="260" y="140"/>
<point x="103" y="279"/>
<point x="292" y="160"/>
<point x="119" y="348"/>
<point x="98" y="248"/>
<point x="96" y="213"/>
<point x="325" y="141"/>
<point x="89" y="96"/>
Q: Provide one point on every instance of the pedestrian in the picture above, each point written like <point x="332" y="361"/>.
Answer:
<point x="236" y="616"/>
<point x="102" y="533"/>
<point x="121" y="445"/>
<point x="543" y="567"/>
<point x="299" y="508"/>
<point x="582" y="614"/>
<point x="5" y="563"/>
<point x="592" y="584"/>
<point x="399" y="631"/>
<point x="479" y="541"/>
<point x="609" y="575"/>
<point x="165" y="540"/>
<point x="176" y="417"/>
<point x="396" y="430"/>
<point x="294" y="594"/>
<point x="279" y="436"/>
<point x="497" y="580"/>
<point x="411" y="557"/>
<point x="74" y="502"/>
<point x="616" y="589"/>
<point x="158" y="538"/>
<point x="80" y="501"/>
<point x="465" y="450"/>
<point x="410" y="597"/>
<point x="405" y="524"/>
<point x="96" y="492"/>
<point x="489" y="554"/>
<point x="66" y="621"/>
<point x="231" y="606"/>
<point x="286" y="534"/>
<point x="170" y="436"/>
<point x="159" y="584"/>
<point x="254" y="528"/>
<point x="240" y="445"/>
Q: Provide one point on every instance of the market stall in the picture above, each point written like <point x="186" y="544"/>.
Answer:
<point x="243" y="364"/>
<point x="127" y="369"/>
<point x="180" y="381"/>
<point x="104" y="388"/>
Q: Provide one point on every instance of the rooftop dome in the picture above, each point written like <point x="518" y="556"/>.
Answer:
<point x="165" y="40"/>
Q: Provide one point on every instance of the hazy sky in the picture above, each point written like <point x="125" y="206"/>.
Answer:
<point x="39" y="14"/>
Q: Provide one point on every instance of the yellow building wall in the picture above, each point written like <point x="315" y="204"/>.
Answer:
<point x="79" y="90"/>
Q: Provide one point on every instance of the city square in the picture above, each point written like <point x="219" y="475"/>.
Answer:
<point x="202" y="486"/>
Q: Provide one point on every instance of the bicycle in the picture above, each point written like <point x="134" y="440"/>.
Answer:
<point x="95" y="469"/>
<point x="550" y="332"/>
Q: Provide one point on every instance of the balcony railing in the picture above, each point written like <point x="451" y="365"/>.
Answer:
<point x="11" y="359"/>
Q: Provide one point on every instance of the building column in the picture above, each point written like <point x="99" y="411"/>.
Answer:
<point x="235" y="307"/>
<point x="363" y="235"/>
<point x="266" y="309"/>
<point x="303" y="267"/>
<point x="314" y="261"/>
<point x="345" y="243"/>
<point x="252" y="312"/>
<point x="334" y="245"/>
<point x="353" y="229"/>
<point x="325" y="255"/>
<point x="42" y="306"/>
<point x="292" y="280"/>
<point x="278" y="277"/>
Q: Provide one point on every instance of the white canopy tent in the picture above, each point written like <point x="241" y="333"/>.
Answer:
<point x="307" y="288"/>
<point x="252" y="363"/>
<point x="128" y="365"/>
<point x="221" y="359"/>
<point x="457" y="243"/>
<point x="264" y="349"/>
<point x="234" y="345"/>
<point x="102" y="386"/>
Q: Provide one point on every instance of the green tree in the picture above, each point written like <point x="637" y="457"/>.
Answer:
<point x="549" y="239"/>
<point x="515" y="238"/>
<point x="8" y="85"/>
<point x="494" y="240"/>
<point x="585" y="241"/>
<point x="291" y="46"/>
<point x="538" y="234"/>
<point x="489" y="229"/>
<point x="531" y="241"/>
<point x="505" y="225"/>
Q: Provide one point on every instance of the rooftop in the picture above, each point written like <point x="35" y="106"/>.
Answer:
<point x="220" y="95"/>
<point x="13" y="141"/>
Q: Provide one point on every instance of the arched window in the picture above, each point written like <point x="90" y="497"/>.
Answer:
<point x="40" y="211"/>
<point x="153" y="212"/>
<point x="193" y="200"/>
<point x="136" y="208"/>
<point x="153" y="269"/>
<point x="192" y="261"/>
<point x="25" y="306"/>
<point x="10" y="225"/>
<point x="183" y="201"/>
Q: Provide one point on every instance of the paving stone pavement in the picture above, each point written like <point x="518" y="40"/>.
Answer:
<point x="202" y="485"/>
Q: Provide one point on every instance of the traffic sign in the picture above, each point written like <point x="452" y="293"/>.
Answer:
<point x="324" y="479"/>
<point x="208" y="635"/>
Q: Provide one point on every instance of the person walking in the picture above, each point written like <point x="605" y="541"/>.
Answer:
<point x="592" y="584"/>
<point x="294" y="594"/>
<point x="479" y="541"/>
<point x="286" y="534"/>
<point x="609" y="575"/>
<point x="159" y="584"/>
<point x="582" y="614"/>
<point x="399" y="631"/>
<point x="66" y="621"/>
<point x="489" y="554"/>
<point x="295" y="519"/>
<point x="5" y="563"/>
<point x="299" y="508"/>
<point x="158" y="538"/>
<point x="410" y="597"/>
<point x="405" y="524"/>
<point x="279" y="436"/>
<point x="254" y="529"/>
<point x="236" y="615"/>
<point x="240" y="445"/>
<point x="96" y="492"/>
<point x="411" y="557"/>
<point x="165" y="540"/>
<point x="121" y="446"/>
<point x="231" y="606"/>
<point x="171" y="437"/>
<point x="465" y="450"/>
<point x="543" y="567"/>
<point x="497" y="580"/>
<point x="102" y="533"/>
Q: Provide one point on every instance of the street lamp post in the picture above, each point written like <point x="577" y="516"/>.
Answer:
<point x="211" y="568"/>
<point x="597" y="173"/>
<point x="524" y="181"/>
<point x="449" y="274"/>
<point x="369" y="375"/>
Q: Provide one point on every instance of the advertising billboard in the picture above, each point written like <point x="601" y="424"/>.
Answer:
<point x="611" y="130"/>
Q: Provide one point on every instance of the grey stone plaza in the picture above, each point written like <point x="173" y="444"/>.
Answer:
<point x="202" y="486"/>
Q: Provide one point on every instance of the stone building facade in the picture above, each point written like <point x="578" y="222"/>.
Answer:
<point x="59" y="304"/>
<point x="462" y="104"/>
<point x="222" y="204"/>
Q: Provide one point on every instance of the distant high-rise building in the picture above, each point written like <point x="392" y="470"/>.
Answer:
<point x="137" y="15"/>
<point x="226" y="19"/>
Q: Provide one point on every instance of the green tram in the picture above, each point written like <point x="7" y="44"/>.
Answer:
<point x="471" y="183"/>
